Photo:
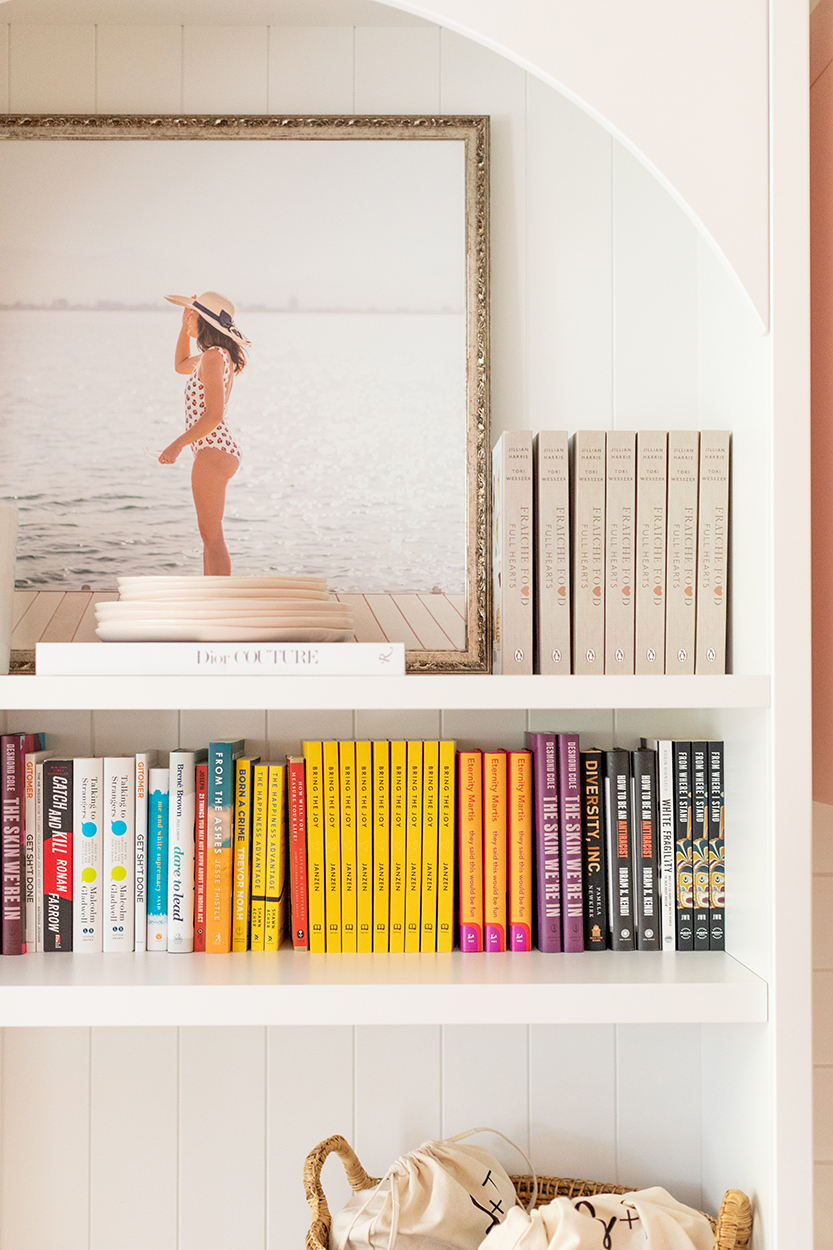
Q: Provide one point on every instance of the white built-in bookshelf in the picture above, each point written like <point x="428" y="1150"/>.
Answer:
<point x="685" y="1070"/>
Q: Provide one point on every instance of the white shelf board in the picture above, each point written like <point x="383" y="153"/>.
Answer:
<point x="298" y="988"/>
<point x="408" y="692"/>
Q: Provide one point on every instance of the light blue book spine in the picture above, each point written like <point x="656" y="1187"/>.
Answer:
<point x="157" y="893"/>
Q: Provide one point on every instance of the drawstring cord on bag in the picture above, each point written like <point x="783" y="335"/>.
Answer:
<point x="397" y="1172"/>
<point x="470" y="1132"/>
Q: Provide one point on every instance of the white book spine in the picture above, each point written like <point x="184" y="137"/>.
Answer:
<point x="681" y="578"/>
<point x="145" y="760"/>
<point x="667" y="869"/>
<point x="119" y="853"/>
<point x="181" y="828"/>
<point x="620" y="551"/>
<point x="512" y="552"/>
<point x="39" y="857"/>
<point x="552" y="595"/>
<point x="651" y="517"/>
<point x="163" y="659"/>
<point x="713" y="552"/>
<point x="31" y="877"/>
<point x="587" y="454"/>
<point x="87" y="857"/>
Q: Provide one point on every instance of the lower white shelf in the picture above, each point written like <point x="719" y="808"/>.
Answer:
<point x="298" y="989"/>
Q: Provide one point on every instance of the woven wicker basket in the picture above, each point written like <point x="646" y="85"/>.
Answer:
<point x="732" y="1228"/>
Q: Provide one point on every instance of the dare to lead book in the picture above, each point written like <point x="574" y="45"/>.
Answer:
<point x="57" y="855"/>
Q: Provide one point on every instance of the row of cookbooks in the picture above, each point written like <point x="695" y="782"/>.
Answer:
<point x="610" y="551"/>
<point x="386" y="846"/>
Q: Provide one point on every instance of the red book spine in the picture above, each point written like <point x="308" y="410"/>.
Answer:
<point x="11" y="800"/>
<point x="57" y="855"/>
<point x="298" y="853"/>
<point x="199" y="864"/>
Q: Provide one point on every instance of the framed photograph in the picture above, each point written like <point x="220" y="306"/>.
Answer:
<point x="353" y="253"/>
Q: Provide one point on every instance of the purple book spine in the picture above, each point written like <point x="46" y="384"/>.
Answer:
<point x="572" y="894"/>
<point x="11" y="773"/>
<point x="547" y="850"/>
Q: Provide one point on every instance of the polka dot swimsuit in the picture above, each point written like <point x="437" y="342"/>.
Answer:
<point x="220" y="436"/>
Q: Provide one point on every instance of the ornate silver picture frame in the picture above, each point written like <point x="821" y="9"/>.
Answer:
<point x="462" y="583"/>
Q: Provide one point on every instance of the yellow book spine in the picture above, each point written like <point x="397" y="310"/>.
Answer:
<point x="398" y="794"/>
<point x="242" y="854"/>
<point x="445" y="849"/>
<point x="413" y="847"/>
<point x="520" y="850"/>
<point x="430" y="846"/>
<point x="260" y="794"/>
<point x="316" y="868"/>
<point x="276" y="860"/>
<point x="332" y="845"/>
<point x="349" y="865"/>
<point x="381" y="847"/>
<point x="364" y="845"/>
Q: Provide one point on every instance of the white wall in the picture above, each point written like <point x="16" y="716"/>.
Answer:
<point x="598" y="288"/>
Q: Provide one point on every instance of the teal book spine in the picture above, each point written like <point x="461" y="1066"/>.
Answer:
<point x="157" y="894"/>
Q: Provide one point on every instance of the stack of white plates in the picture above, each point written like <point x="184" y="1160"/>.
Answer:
<point x="224" y="609"/>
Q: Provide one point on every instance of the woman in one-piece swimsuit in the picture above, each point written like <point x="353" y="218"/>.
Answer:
<point x="210" y="379"/>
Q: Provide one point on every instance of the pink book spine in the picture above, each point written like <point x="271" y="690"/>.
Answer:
<point x="569" y="784"/>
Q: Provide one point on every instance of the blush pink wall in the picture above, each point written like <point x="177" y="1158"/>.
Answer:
<point x="821" y="234"/>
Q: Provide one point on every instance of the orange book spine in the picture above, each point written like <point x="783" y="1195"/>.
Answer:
<point x="470" y="842"/>
<point x="494" y="850"/>
<point x="521" y="836"/>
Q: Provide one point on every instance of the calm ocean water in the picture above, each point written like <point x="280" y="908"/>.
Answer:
<point x="352" y="431"/>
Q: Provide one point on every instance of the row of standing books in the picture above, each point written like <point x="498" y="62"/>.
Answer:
<point x="401" y="846"/>
<point x="610" y="551"/>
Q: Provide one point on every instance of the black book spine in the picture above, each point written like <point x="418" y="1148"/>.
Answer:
<point x="617" y="816"/>
<point x="682" y="846"/>
<point x="645" y="855"/>
<point x="700" y="842"/>
<point x="717" y="934"/>
<point x="593" y="852"/>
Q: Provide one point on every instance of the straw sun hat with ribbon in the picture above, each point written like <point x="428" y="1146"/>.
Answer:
<point x="216" y="310"/>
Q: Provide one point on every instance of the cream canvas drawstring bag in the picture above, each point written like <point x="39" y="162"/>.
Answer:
<point x="444" y="1196"/>
<point x="648" y="1219"/>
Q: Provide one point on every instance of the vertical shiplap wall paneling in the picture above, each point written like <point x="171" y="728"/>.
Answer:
<point x="475" y="80"/>
<point x="69" y="733"/>
<point x="224" y="69"/>
<point x="569" y="264"/>
<point x="397" y="69"/>
<point x="44" y="1197"/>
<point x="222" y="1137"/>
<point x="133" y="1138"/>
<point x="139" y="69"/>
<point x="485" y="730"/>
<point x="486" y="1085"/>
<point x="310" y="69"/>
<point x="198" y="728"/>
<point x="4" y="67"/>
<point x="572" y="1100"/>
<point x="732" y="385"/>
<point x="658" y="1123"/>
<point x="52" y="69"/>
<point x="654" y="303"/>
<point x="117" y="734"/>
<point x="380" y="723"/>
<point x="309" y="1097"/>
<point x="398" y="1082"/>
<point x="286" y="731"/>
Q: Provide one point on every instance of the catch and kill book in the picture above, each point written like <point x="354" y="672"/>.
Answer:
<point x="57" y="855"/>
